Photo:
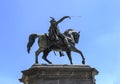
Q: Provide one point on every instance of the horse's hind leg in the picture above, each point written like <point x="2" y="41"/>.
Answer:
<point x="45" y="54"/>
<point x="36" y="55"/>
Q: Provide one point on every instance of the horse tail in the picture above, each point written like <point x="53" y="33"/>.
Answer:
<point x="32" y="38"/>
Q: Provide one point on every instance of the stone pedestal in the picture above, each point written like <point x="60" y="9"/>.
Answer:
<point x="59" y="74"/>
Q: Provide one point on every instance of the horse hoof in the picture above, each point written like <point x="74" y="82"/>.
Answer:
<point x="50" y="63"/>
<point x="83" y="62"/>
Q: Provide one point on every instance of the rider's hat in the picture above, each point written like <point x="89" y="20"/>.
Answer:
<point x="52" y="19"/>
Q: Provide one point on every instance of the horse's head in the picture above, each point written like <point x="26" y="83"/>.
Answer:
<point x="74" y="34"/>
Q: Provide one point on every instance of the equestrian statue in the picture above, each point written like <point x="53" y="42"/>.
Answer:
<point x="54" y="40"/>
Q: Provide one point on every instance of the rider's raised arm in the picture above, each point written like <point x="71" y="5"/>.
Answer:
<point x="62" y="19"/>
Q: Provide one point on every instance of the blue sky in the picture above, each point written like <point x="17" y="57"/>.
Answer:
<point x="100" y="35"/>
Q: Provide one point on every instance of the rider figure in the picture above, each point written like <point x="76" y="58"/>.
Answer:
<point x="54" y="32"/>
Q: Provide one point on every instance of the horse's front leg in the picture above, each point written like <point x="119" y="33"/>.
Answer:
<point x="83" y="59"/>
<point x="78" y="51"/>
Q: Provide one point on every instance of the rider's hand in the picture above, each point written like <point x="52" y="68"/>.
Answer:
<point x="68" y="17"/>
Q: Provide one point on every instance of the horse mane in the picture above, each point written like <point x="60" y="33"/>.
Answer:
<point x="67" y="31"/>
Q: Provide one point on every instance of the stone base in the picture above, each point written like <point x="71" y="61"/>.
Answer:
<point x="59" y="74"/>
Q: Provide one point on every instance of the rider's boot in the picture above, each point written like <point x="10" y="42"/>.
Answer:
<point x="61" y="53"/>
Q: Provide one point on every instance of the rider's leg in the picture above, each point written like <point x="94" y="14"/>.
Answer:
<point x="65" y="40"/>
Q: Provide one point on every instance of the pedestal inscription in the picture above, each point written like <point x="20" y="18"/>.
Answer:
<point x="59" y="74"/>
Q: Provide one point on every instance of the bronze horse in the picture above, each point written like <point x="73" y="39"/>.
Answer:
<point x="46" y="45"/>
